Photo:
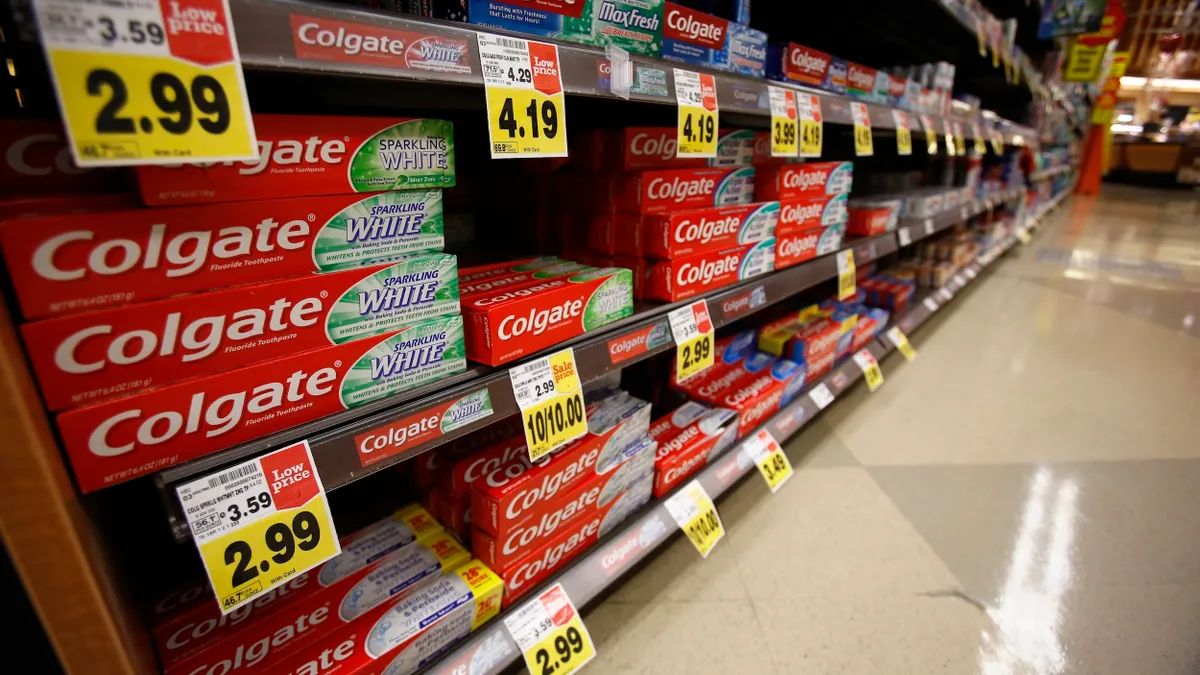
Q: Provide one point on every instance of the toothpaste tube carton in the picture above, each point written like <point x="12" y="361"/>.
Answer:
<point x="860" y="81"/>
<point x="711" y="390"/>
<point x="681" y="278"/>
<point x="797" y="247"/>
<point x="84" y="358"/>
<point x="791" y="62"/>
<point x="896" y="87"/>
<point x="400" y="637"/>
<point x="116" y="441"/>
<point x="815" y="345"/>
<point x="684" y="233"/>
<point x="668" y="426"/>
<point x="635" y="26"/>
<point x="815" y="179"/>
<point x="673" y="190"/>
<point x="745" y="51"/>
<point x="691" y="36"/>
<point x="328" y="609"/>
<point x="507" y="326"/>
<point x="801" y="214"/>
<point x="527" y="573"/>
<point x="835" y="77"/>
<point x="301" y="155"/>
<point x="640" y="148"/>
<point x="508" y="494"/>
<point x="467" y="275"/>
<point x="869" y="221"/>
<point x="65" y="263"/>
<point x="497" y="284"/>
<point x="692" y="448"/>
<point x="544" y="519"/>
<point x="759" y="397"/>
<point x="882" y="85"/>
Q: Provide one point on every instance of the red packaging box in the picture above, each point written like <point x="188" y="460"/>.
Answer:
<point x="868" y="221"/>
<point x="692" y="448"/>
<point x="433" y="468"/>
<point x="800" y="214"/>
<point x="666" y="427"/>
<point x="860" y="80"/>
<point x="616" y="233"/>
<point x="516" y="280"/>
<point x="479" y="464"/>
<point x="475" y="273"/>
<point x="305" y="155"/>
<point x="635" y="148"/>
<point x="728" y="352"/>
<point x="58" y="205"/>
<point x="682" y="278"/>
<point x="507" y="326"/>
<point x="814" y="179"/>
<point x="814" y="339"/>
<point x="896" y="87"/>
<point x="797" y="247"/>
<point x="804" y="65"/>
<point x="541" y="522"/>
<point x="761" y="396"/>
<point x="684" y="233"/>
<point x="714" y="388"/>
<point x="668" y="190"/>
<point x="38" y="161"/>
<point x="116" y="441"/>
<point x="66" y="263"/>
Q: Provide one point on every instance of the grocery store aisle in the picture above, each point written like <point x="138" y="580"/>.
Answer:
<point x="1022" y="498"/>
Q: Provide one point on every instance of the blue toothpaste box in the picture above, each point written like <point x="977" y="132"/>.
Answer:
<point x="835" y="76"/>
<point x="745" y="51"/>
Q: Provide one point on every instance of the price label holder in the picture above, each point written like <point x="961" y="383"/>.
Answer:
<point x="928" y="226"/>
<point x="820" y="396"/>
<point x="903" y="133"/>
<point x="948" y="132"/>
<point x="863" y="146"/>
<point x="960" y="141"/>
<point x="931" y="143"/>
<point x="945" y="294"/>
<point x="970" y="272"/>
<point x="1023" y="236"/>
<point x="696" y="94"/>
<point x="145" y="82"/>
<point x="260" y="523"/>
<point x="550" y="396"/>
<point x="784" y="122"/>
<point x="526" y="109"/>
<point x="845" y="268"/>
<point x="771" y="460"/>
<point x="550" y="633"/>
<point x="931" y="304"/>
<point x="980" y="141"/>
<point x="899" y="339"/>
<point x="958" y="281"/>
<point x="693" y="331"/>
<point x="904" y="236"/>
<point x="812" y="129"/>
<point x="870" y="368"/>
<point x="998" y="143"/>
<point x="697" y="516"/>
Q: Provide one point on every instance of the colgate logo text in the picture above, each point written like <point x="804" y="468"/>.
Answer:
<point x="526" y="535"/>
<point x="546" y="488"/>
<point x="678" y="190"/>
<point x="795" y="214"/>
<point x="659" y="145"/>
<point x="694" y="27"/>
<point x="552" y="556"/>
<point x="804" y="180"/>
<point x="808" y="62"/>
<point x="539" y="320"/>
<point x="706" y="271"/>
<point x="707" y="230"/>
<point x="798" y="247"/>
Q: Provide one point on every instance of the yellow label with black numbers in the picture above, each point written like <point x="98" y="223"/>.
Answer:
<point x="550" y="397"/>
<point x="698" y="127"/>
<point x="784" y="131"/>
<point x="846" y="274"/>
<point x="523" y="87"/>
<point x="900" y="340"/>
<point x="694" y="512"/>
<point x="810" y="138"/>
<point x="1023" y="236"/>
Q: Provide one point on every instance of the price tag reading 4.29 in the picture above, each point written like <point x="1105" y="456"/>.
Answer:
<point x="527" y="115"/>
<point x="783" y="122"/>
<point x="771" y="460"/>
<point x="550" y="633"/>
<point x="147" y="82"/>
<point x="260" y="523"/>
<point x="693" y="331"/>
<point x="811" y="127"/>
<point x="863" y="146"/>
<point x="695" y="513"/>
<point x="696" y="94"/>
<point x="550" y="396"/>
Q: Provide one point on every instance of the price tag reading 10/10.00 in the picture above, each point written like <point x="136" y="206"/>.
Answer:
<point x="550" y="633"/>
<point x="693" y="331"/>
<point x="695" y="513"/>
<point x="696" y="94"/>
<point x="527" y="115"/>
<point x="260" y="523"/>
<point x="147" y="82"/>
<point x="550" y="396"/>
<point x="783" y="122"/>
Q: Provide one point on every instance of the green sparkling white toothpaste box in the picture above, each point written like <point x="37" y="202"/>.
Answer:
<point x="303" y="155"/>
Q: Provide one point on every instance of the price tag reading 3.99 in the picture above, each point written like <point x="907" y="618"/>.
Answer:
<point x="525" y="105"/>
<point x="550" y="396"/>
<point x="696" y="95"/>
<point x="783" y="122"/>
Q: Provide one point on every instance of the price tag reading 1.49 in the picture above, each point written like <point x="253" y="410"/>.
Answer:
<point x="693" y="331"/>
<point x="695" y="513"/>
<point x="696" y="94"/>
<point x="527" y="115"/>
<point x="147" y="82"/>
<point x="260" y="523"/>
<point x="550" y="396"/>
<point x="863" y="146"/>
<point x="783" y="122"/>
<point x="808" y="106"/>
<point x="550" y="633"/>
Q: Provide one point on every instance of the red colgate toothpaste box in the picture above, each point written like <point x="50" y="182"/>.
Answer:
<point x="506" y="326"/>
<point x="791" y="62"/>
<point x="666" y="427"/>
<point x="542" y="520"/>
<point x="323" y="609"/>
<point x="676" y="189"/>
<point x="580" y="534"/>
<point x="301" y="155"/>
<point x="57" y="205"/>
<point x="801" y="214"/>
<point x="684" y="233"/>
<point x="638" y="148"/>
<point x="714" y="388"/>
<point x="703" y="440"/>
<point x="508" y="494"/>
<point x="791" y="181"/>
<point x="116" y="441"/>
<point x="84" y="358"/>
<point x="860" y="81"/>
<point x="682" y="278"/>
<point x="815" y="345"/>
<point x="36" y="160"/>
<point x="66" y="263"/>
<point x="761" y="396"/>
<point x="868" y="221"/>
<point x="433" y="468"/>
<point x="797" y="247"/>
<point x="516" y="280"/>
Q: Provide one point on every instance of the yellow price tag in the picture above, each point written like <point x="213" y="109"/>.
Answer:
<point x="696" y="515"/>
<point x="550" y="633"/>
<point x="931" y="143"/>
<point x="1023" y="236"/>
<point x="846" y="272"/>
<point x="260" y="523"/>
<point x="998" y="143"/>
<point x="147" y="83"/>
<point x="870" y="368"/>
<point x="525" y="105"/>
<point x="980" y="142"/>
<point x="771" y="460"/>
<point x="550" y="396"/>
<point x="863" y="146"/>
<point x="982" y="40"/>
<point x="811" y="125"/>
<point x="783" y="122"/>
<point x="696" y="94"/>
<point x="960" y="141"/>
<point x="903" y="133"/>
<point x="693" y="331"/>
<point x="951" y="147"/>
<point x="995" y="55"/>
<point x="899" y="339"/>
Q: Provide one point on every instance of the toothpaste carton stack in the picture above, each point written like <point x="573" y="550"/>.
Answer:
<point x="262" y="295"/>
<point x="813" y="208"/>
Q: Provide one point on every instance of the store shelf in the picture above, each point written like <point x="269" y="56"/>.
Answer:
<point x="1050" y="172"/>
<point x="969" y="23"/>
<point x="492" y="649"/>
<point x="912" y="230"/>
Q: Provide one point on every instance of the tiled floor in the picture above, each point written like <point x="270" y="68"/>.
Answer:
<point x="1024" y="498"/>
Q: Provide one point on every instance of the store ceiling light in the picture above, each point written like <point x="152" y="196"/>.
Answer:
<point x="1130" y="82"/>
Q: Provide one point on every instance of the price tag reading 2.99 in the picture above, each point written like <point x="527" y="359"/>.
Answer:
<point x="693" y="331"/>
<point x="525" y="104"/>
<point x="696" y="95"/>
<point x="550" y="396"/>
<point x="550" y="634"/>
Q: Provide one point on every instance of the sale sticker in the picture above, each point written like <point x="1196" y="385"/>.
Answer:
<point x="812" y="128"/>
<point x="771" y="460"/>
<point x="550" y="633"/>
<point x="846" y="272"/>
<point x="550" y="396"/>
<point x="526" y="109"/>
<point x="1023" y="236"/>
<point x="260" y="523"/>
<point x="696" y="95"/>
<point x="870" y="368"/>
<point x="147" y="82"/>
<point x="693" y="330"/>
<point x="903" y="133"/>
<point x="695" y="513"/>
<point x="783" y="122"/>
<point x="863" y="146"/>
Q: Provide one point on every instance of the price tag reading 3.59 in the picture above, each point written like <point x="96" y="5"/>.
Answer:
<point x="693" y="331"/>
<point x="550" y="633"/>
<point x="527" y="114"/>
<point x="550" y="396"/>
<point x="863" y="146"/>
<point x="696" y="94"/>
<point x="783" y="122"/>
<point x="260" y="523"/>
<point x="695" y="513"/>
<point x="811" y="126"/>
<point x="147" y="81"/>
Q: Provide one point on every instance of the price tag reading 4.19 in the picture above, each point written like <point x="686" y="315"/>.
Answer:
<point x="260" y="523"/>
<point x="550" y="396"/>
<point x="808" y="106"/>
<point x="863" y="146"/>
<point x="527" y="116"/>
<point x="697" y="516"/>
<point x="147" y="82"/>
<point x="696" y="94"/>
<point x="783" y="122"/>
<point x="870" y="368"/>
<point x="903" y="133"/>
<point x="693" y="331"/>
<point x="846" y="271"/>
<point x="550" y="633"/>
<point x="771" y="460"/>
<point x="899" y="339"/>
